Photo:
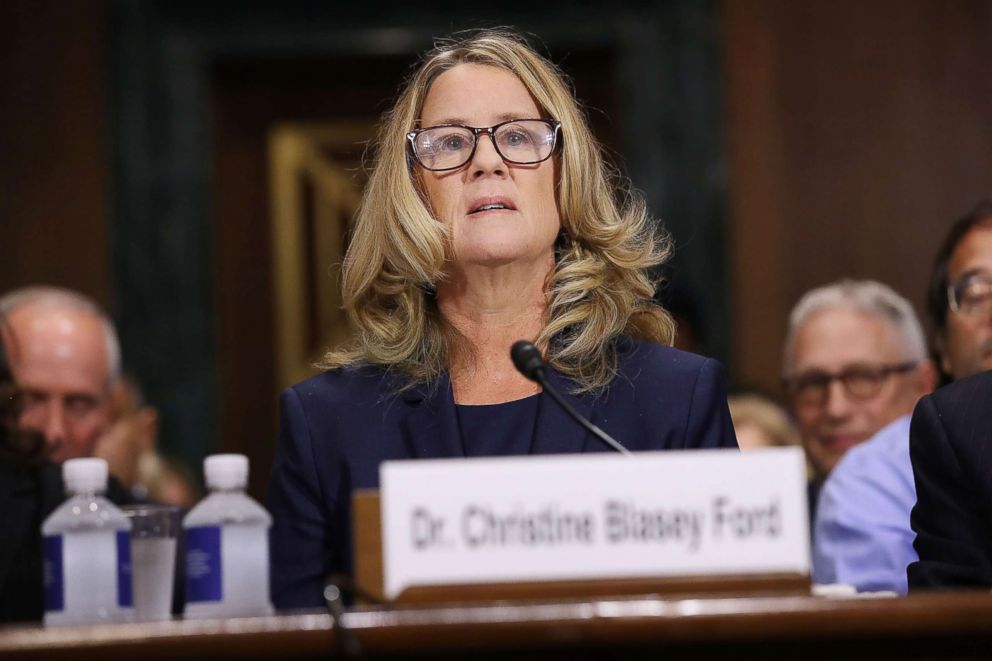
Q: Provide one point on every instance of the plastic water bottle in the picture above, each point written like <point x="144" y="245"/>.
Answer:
<point x="227" y="546"/>
<point x="87" y="552"/>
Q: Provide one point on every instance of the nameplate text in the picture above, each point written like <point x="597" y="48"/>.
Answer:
<point x="593" y="516"/>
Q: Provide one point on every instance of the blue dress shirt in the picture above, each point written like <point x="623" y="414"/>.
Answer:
<point x="862" y="535"/>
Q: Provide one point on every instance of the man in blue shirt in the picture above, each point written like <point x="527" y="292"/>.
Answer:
<point x="855" y="359"/>
<point x="862" y="534"/>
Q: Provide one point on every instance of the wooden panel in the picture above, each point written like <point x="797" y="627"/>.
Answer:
<point x="53" y="158"/>
<point x="857" y="132"/>
<point x="252" y="98"/>
<point x="366" y="516"/>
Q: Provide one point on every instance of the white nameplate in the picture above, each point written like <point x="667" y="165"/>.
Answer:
<point x="593" y="516"/>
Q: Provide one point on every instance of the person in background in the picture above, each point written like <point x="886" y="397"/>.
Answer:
<point x="951" y="432"/>
<point x="864" y="537"/>
<point x="131" y="435"/>
<point x="168" y="481"/>
<point x="67" y="365"/>
<point x="861" y="534"/>
<point x="855" y="360"/>
<point x="130" y="448"/>
<point x="30" y="489"/>
<point x="761" y="423"/>
<point x="959" y="295"/>
<point x="489" y="217"/>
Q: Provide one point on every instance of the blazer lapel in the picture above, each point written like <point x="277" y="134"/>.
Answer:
<point x="431" y="427"/>
<point x="555" y="432"/>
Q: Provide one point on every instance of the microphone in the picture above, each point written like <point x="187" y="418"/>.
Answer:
<point x="528" y="361"/>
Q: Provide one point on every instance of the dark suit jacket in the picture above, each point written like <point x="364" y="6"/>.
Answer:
<point x="950" y="445"/>
<point x="338" y="427"/>
<point x="28" y="494"/>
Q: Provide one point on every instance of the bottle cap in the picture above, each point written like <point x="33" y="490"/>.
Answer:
<point x="226" y="471"/>
<point x="82" y="475"/>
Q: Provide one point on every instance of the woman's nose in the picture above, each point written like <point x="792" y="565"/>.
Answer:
<point x="486" y="159"/>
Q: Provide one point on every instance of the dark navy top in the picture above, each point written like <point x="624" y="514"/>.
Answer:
<point x="498" y="430"/>
<point x="337" y="429"/>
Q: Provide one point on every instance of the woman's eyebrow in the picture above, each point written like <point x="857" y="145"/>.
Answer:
<point x="446" y="120"/>
<point x="461" y="121"/>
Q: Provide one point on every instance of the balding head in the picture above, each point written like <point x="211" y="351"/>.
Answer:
<point x="64" y="358"/>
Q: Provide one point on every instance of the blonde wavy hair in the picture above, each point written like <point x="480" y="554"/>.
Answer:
<point x="599" y="289"/>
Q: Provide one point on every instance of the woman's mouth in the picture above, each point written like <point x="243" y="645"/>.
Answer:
<point x="490" y="204"/>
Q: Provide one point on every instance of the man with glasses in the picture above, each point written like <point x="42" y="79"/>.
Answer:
<point x="951" y="435"/>
<point x="855" y="364"/>
<point x="960" y="296"/>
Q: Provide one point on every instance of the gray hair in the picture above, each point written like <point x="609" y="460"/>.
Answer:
<point x="59" y="297"/>
<point x="868" y="296"/>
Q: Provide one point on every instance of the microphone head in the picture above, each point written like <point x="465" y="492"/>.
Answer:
<point x="527" y="359"/>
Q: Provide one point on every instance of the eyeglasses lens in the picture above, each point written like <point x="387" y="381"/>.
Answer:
<point x="811" y="389"/>
<point x="447" y="147"/>
<point x="525" y="141"/>
<point x="972" y="294"/>
<point x="862" y="384"/>
<point x="443" y="147"/>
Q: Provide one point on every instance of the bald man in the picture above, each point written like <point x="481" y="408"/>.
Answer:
<point x="65" y="360"/>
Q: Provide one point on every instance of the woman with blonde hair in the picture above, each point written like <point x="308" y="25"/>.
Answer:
<point x="489" y="217"/>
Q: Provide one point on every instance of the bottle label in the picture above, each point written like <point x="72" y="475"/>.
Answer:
<point x="204" y="573"/>
<point x="54" y="590"/>
<point x="124" y="595"/>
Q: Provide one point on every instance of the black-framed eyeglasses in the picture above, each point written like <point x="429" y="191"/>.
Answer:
<point x="971" y="294"/>
<point x="861" y="382"/>
<point x="518" y="141"/>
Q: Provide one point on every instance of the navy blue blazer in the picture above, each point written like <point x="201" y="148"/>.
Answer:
<point x="950" y="444"/>
<point x="337" y="427"/>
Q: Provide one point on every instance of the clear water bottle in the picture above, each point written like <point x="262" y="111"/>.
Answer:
<point x="227" y="545"/>
<point x="87" y="552"/>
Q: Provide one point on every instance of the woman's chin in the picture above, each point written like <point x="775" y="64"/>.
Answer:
<point x="498" y="255"/>
<point x="489" y="259"/>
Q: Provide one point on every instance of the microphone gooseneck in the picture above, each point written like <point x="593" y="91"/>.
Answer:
<point x="528" y="361"/>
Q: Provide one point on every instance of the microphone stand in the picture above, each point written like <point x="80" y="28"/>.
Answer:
<point x="528" y="361"/>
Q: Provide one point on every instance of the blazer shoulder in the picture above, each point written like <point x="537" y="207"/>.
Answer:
<point x="344" y="384"/>
<point x="678" y="391"/>
<point x="963" y="389"/>
<point x="641" y="358"/>
<point x="962" y="409"/>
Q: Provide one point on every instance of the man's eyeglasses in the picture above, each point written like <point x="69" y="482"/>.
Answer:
<point x="971" y="295"/>
<point x="519" y="141"/>
<point x="860" y="382"/>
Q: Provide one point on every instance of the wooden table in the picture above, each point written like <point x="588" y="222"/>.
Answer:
<point x="934" y="626"/>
